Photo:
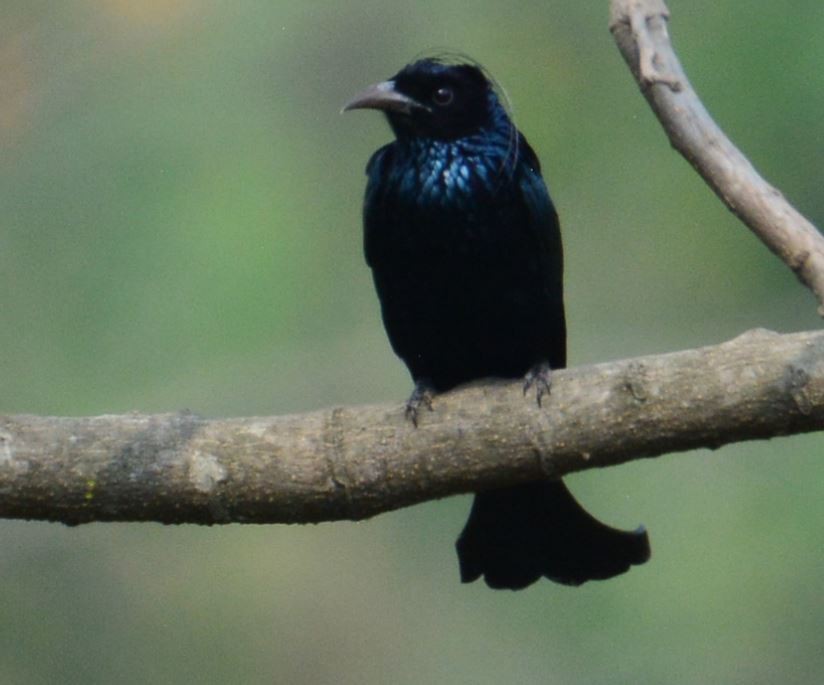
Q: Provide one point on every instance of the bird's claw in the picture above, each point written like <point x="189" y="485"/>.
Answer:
<point x="539" y="377"/>
<point x="421" y="396"/>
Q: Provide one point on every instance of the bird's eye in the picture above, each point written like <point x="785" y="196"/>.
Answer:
<point x="443" y="96"/>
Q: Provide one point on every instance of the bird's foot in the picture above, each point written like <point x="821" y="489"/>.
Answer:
<point x="539" y="377"/>
<point x="421" y="396"/>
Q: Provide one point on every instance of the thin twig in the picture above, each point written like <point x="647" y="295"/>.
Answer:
<point x="640" y="30"/>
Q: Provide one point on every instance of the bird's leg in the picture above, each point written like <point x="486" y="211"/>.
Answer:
<point x="539" y="376"/>
<point x="421" y="396"/>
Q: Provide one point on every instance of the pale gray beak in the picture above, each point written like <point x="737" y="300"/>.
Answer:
<point x="383" y="96"/>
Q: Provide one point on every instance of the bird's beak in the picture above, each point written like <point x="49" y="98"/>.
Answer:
<point x="383" y="96"/>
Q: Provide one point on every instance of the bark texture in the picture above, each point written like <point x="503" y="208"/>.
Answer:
<point x="355" y="462"/>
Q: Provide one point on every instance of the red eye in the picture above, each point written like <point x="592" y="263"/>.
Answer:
<point x="443" y="96"/>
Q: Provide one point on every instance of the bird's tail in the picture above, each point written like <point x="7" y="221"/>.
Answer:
<point x="516" y="535"/>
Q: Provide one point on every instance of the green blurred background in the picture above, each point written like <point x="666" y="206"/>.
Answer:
<point x="180" y="228"/>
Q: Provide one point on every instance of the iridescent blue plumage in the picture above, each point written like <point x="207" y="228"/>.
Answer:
<point x="465" y="249"/>
<point x="463" y="170"/>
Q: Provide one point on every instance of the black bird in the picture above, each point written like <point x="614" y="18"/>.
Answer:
<point x="465" y="250"/>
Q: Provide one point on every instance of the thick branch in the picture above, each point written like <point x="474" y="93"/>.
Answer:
<point x="640" y="30"/>
<point x="351" y="463"/>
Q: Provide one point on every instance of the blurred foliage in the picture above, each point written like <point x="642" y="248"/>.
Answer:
<point x="180" y="228"/>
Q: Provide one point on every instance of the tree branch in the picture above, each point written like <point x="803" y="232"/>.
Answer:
<point x="351" y="463"/>
<point x="640" y="31"/>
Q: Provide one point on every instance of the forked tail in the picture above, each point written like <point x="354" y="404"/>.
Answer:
<point x="517" y="534"/>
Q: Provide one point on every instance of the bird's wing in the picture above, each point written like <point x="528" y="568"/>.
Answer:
<point x="374" y="206"/>
<point x="542" y="223"/>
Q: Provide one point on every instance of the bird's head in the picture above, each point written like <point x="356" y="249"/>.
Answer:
<point x="433" y="99"/>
